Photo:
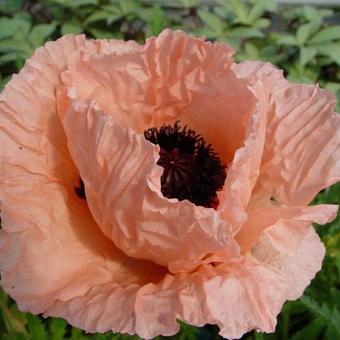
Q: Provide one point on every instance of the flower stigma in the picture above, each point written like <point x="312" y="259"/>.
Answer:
<point x="192" y="170"/>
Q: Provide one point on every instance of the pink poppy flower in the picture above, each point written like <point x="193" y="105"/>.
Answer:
<point x="141" y="184"/>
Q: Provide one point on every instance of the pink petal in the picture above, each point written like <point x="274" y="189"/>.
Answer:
<point x="294" y="249"/>
<point x="122" y="181"/>
<point x="302" y="150"/>
<point x="260" y="219"/>
<point x="172" y="77"/>
<point x="243" y="171"/>
<point x="209" y="295"/>
<point x="51" y="250"/>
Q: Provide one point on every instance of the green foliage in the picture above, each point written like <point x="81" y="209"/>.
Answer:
<point x="303" y="41"/>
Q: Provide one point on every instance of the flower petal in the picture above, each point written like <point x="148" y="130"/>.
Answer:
<point x="50" y="247"/>
<point x="243" y="171"/>
<point x="172" y="77"/>
<point x="294" y="249"/>
<point x="122" y="181"/>
<point x="209" y="295"/>
<point x="302" y="151"/>
<point x="260" y="219"/>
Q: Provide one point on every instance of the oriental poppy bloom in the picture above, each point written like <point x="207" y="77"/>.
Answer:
<point x="144" y="184"/>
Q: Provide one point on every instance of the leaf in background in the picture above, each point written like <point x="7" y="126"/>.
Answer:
<point x="300" y="74"/>
<point x="36" y="327"/>
<point x="158" y="20"/>
<point x="188" y="3"/>
<point x="128" y="6"/>
<point x="305" y="31"/>
<point x="306" y="55"/>
<point x="240" y="11"/>
<point x="40" y="33"/>
<point x="287" y="40"/>
<point x="262" y="23"/>
<point x="72" y="26"/>
<point x="251" y="52"/>
<point x="259" y="8"/>
<point x="10" y="6"/>
<point x="57" y="328"/>
<point x="311" y="331"/>
<point x="14" y="321"/>
<point x="187" y="332"/>
<point x="9" y="26"/>
<point x="101" y="15"/>
<point x="214" y="22"/>
<point x="330" y="50"/>
<point x="312" y="13"/>
<point x="331" y="318"/>
<point x="326" y="35"/>
<point x="244" y="32"/>
<point x="10" y="57"/>
<point x="77" y="334"/>
<point x="76" y="3"/>
<point x="103" y="34"/>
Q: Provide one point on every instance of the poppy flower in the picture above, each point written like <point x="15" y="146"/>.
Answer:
<point x="144" y="184"/>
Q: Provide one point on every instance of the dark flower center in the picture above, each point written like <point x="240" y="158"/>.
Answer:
<point x="192" y="170"/>
<point x="80" y="190"/>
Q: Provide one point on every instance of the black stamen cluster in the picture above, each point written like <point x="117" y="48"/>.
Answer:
<point x="80" y="190"/>
<point x="192" y="170"/>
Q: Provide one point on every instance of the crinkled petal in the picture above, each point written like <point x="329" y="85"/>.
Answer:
<point x="172" y="77"/>
<point x="179" y="77"/>
<point x="51" y="249"/>
<point x="209" y="295"/>
<point x="260" y="219"/>
<point x="302" y="150"/>
<point x="294" y="249"/>
<point x="243" y="171"/>
<point x="122" y="181"/>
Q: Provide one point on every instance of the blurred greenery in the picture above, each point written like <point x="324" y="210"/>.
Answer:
<point x="304" y="41"/>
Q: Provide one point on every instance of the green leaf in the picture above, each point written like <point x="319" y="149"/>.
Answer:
<point x="330" y="317"/>
<point x="310" y="13"/>
<point x="244" y="33"/>
<point x="188" y="3"/>
<point x="287" y="40"/>
<point x="328" y="34"/>
<point x="241" y="12"/>
<point x="40" y="33"/>
<point x="73" y="26"/>
<point x="57" y="328"/>
<point x="12" y="319"/>
<point x="128" y="6"/>
<point x="9" y="26"/>
<point x="251" y="51"/>
<point x="158" y="20"/>
<point x="103" y="34"/>
<point x="36" y="327"/>
<point x="330" y="50"/>
<point x="10" y="6"/>
<point x="77" y="334"/>
<point x="260" y="7"/>
<point x="76" y="3"/>
<point x="9" y="57"/>
<point x="258" y="336"/>
<point x="311" y="332"/>
<point x="262" y="23"/>
<point x="101" y="16"/>
<point x="305" y="31"/>
<point x="14" y="336"/>
<point x="212" y="20"/>
<point x="306" y="55"/>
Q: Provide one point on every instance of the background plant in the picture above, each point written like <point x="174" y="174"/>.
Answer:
<point x="303" y="41"/>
